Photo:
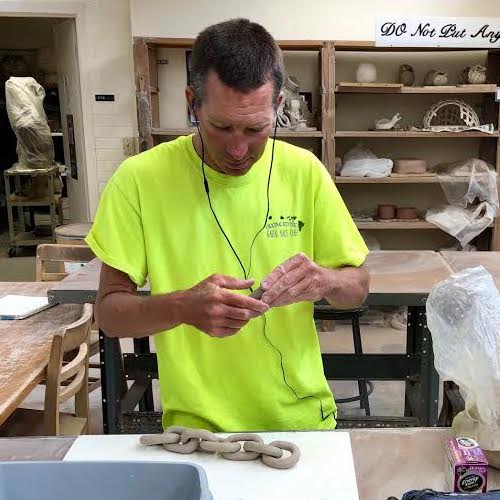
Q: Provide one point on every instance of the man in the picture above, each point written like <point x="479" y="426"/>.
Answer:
<point x="209" y="217"/>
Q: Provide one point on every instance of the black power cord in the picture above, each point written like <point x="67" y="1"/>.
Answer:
<point x="245" y="272"/>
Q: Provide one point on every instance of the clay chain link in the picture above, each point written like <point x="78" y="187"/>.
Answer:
<point x="236" y="447"/>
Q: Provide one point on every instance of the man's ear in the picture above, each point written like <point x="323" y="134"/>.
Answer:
<point x="279" y="100"/>
<point x="190" y="97"/>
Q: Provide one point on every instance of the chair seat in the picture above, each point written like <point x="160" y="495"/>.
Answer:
<point x="326" y="312"/>
<point x="27" y="422"/>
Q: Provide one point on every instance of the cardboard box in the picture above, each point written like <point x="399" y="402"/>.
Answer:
<point x="466" y="467"/>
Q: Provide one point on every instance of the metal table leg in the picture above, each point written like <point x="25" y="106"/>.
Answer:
<point x="429" y="393"/>
<point x="146" y="403"/>
<point x="410" y="349"/>
<point x="110" y="383"/>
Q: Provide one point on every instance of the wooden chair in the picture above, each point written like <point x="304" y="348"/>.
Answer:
<point x="52" y="254"/>
<point x="65" y="379"/>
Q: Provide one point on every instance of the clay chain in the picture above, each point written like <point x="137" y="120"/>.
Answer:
<point x="184" y="440"/>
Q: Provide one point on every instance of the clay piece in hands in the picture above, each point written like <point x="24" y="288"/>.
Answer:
<point x="406" y="75"/>
<point x="435" y="78"/>
<point x="387" y="124"/>
<point x="366" y="73"/>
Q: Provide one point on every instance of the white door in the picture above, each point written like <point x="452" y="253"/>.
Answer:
<point x="72" y="119"/>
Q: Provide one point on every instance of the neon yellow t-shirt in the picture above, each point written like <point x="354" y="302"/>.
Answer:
<point x="154" y="222"/>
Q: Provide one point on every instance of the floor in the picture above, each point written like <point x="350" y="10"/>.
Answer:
<point x="378" y="336"/>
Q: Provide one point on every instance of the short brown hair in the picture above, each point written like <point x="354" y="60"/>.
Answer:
<point x="242" y="53"/>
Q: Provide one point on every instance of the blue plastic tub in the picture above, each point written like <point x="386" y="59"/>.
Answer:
<point x="102" y="481"/>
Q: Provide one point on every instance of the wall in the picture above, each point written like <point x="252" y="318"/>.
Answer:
<point x="332" y="20"/>
<point x="106" y="66"/>
<point x="24" y="33"/>
<point x="106" y="56"/>
<point x="319" y="19"/>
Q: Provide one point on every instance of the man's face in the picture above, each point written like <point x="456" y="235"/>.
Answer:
<point x="234" y="125"/>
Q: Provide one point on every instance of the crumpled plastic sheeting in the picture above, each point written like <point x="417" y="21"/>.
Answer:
<point x="471" y="188"/>
<point x="24" y="101"/>
<point x="463" y="316"/>
<point x="464" y="182"/>
<point x="462" y="223"/>
<point x="360" y="161"/>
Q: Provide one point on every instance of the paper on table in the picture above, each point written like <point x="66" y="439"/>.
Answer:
<point x="21" y="306"/>
<point x="325" y="470"/>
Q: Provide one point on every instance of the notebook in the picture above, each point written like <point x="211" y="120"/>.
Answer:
<point x="21" y="306"/>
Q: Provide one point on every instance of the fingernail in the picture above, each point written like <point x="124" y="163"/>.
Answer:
<point x="264" y="284"/>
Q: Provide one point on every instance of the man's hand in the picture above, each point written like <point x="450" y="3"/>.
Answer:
<point x="297" y="279"/>
<point x="210" y="307"/>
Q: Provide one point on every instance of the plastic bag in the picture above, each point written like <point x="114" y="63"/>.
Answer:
<point x="436" y="495"/>
<point x="360" y="161"/>
<point x="24" y="100"/>
<point x="462" y="223"/>
<point x="463" y="316"/>
<point x="466" y="181"/>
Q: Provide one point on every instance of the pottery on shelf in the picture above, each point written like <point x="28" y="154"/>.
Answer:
<point x="477" y="74"/>
<point x="406" y="75"/>
<point x="387" y="124"/>
<point x="463" y="76"/>
<point x="386" y="212"/>
<point x="293" y="112"/>
<point x="406" y="213"/>
<point x="366" y="73"/>
<point x="436" y="78"/>
<point x="409" y="166"/>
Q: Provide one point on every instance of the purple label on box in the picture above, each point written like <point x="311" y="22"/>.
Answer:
<point x="467" y="466"/>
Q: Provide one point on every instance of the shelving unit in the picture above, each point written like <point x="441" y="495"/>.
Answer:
<point x="482" y="145"/>
<point x="21" y="237"/>
<point x="377" y="225"/>
<point x="151" y="132"/>
<point x="331" y="136"/>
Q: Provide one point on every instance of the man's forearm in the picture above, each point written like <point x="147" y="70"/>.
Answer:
<point x="347" y="287"/>
<point x="122" y="314"/>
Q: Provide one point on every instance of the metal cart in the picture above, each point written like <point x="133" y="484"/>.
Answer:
<point x="18" y="235"/>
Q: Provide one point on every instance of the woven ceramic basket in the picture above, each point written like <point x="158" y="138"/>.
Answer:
<point x="451" y="112"/>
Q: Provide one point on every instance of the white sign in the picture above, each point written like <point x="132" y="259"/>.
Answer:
<point x="471" y="32"/>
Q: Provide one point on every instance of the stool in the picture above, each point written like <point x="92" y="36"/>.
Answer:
<point x="324" y="311"/>
<point x="72" y="234"/>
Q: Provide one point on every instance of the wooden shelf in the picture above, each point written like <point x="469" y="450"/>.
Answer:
<point x="331" y="143"/>
<point x="369" y="46"/>
<point x="395" y="225"/>
<point x="28" y="238"/>
<point x="408" y="134"/>
<point x="172" y="132"/>
<point x="16" y="201"/>
<point x="187" y="43"/>
<point x="377" y="225"/>
<point x="346" y="88"/>
<point x="403" y="179"/>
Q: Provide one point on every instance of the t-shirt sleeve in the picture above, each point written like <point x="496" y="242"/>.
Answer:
<point x="337" y="241"/>
<point x="117" y="236"/>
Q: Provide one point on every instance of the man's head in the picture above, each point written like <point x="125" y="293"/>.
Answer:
<point x="237" y="75"/>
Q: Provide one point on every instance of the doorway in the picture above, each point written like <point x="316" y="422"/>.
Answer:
<point x="46" y="49"/>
